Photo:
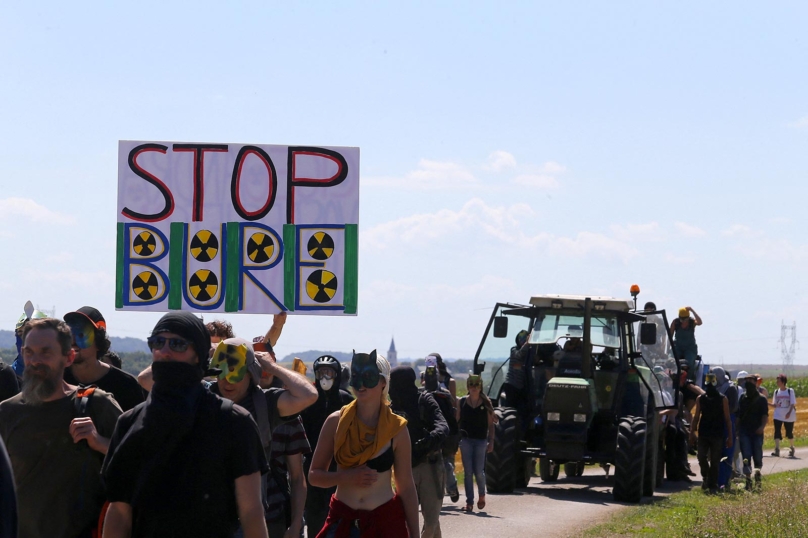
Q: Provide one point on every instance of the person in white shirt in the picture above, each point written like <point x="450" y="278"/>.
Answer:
<point x="784" y="402"/>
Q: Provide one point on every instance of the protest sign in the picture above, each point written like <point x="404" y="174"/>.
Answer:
<point x="237" y="228"/>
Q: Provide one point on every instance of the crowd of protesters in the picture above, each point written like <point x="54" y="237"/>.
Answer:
<point x="215" y="439"/>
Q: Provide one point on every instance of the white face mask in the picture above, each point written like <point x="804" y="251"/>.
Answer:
<point x="326" y="384"/>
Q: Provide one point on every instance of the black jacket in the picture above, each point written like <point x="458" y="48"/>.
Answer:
<point x="425" y="422"/>
<point x="327" y="402"/>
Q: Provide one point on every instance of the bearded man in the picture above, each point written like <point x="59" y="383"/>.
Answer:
<point x="56" y="438"/>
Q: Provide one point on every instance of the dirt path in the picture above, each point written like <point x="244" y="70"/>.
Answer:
<point x="565" y="507"/>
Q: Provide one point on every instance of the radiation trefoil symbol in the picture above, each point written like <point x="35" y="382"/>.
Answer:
<point x="321" y="286"/>
<point x="260" y="247"/>
<point x="203" y="285"/>
<point x="145" y="285"/>
<point x="204" y="246"/>
<point x="144" y="244"/>
<point x="320" y="246"/>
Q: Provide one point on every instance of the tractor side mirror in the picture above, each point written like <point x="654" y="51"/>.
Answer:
<point x="648" y="336"/>
<point x="500" y="327"/>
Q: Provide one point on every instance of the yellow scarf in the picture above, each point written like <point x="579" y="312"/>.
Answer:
<point x="355" y="443"/>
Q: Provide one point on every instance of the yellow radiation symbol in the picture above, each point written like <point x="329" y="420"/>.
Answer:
<point x="145" y="285"/>
<point x="204" y="246"/>
<point x="321" y="286"/>
<point x="144" y="244"/>
<point x="320" y="246"/>
<point x="260" y="247"/>
<point x="203" y="285"/>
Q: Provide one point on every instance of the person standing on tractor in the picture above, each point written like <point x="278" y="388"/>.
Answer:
<point x="711" y="422"/>
<point x="683" y="332"/>
<point x="476" y="423"/>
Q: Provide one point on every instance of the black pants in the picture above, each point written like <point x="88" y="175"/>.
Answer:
<point x="778" y="432"/>
<point x="709" y="459"/>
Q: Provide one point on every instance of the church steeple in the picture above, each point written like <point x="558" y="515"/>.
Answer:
<point x="392" y="354"/>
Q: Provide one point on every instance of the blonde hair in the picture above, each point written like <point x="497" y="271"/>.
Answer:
<point x="384" y="371"/>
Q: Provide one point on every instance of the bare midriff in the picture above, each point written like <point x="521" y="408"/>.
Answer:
<point x="370" y="497"/>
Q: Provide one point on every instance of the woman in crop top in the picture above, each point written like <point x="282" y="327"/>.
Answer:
<point x="475" y="418"/>
<point x="367" y="439"/>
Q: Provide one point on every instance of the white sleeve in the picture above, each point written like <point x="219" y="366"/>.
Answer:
<point x="793" y="396"/>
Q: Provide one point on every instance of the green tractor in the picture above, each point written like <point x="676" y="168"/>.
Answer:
<point x="577" y="380"/>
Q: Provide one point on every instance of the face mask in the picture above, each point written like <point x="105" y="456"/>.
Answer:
<point x="326" y="384"/>
<point x="750" y="387"/>
<point x="83" y="334"/>
<point x="231" y="360"/>
<point x="364" y="371"/>
<point x="431" y="379"/>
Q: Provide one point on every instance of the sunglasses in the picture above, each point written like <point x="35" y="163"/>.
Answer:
<point x="368" y="378"/>
<point x="325" y="373"/>
<point x="174" y="344"/>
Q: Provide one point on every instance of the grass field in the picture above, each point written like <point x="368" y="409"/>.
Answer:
<point x="779" y="510"/>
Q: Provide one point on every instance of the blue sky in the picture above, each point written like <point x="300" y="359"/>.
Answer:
<point x="507" y="149"/>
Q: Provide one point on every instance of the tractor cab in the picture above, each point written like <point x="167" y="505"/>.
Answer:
<point x="568" y="371"/>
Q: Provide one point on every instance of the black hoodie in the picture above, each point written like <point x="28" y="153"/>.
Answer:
<point x="425" y="423"/>
<point x="327" y="402"/>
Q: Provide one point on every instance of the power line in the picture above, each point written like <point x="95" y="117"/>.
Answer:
<point x="788" y="346"/>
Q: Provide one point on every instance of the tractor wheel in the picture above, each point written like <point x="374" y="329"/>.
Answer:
<point x="573" y="469"/>
<point x="501" y="464"/>
<point x="629" y="460"/>
<point x="651" y="457"/>
<point x="524" y="465"/>
<point x="548" y="470"/>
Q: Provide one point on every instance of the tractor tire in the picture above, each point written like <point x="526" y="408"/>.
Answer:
<point x="524" y="465"/>
<point x="649" y="482"/>
<point x="548" y="470"/>
<point x="574" y="469"/>
<point x="501" y="464"/>
<point x="629" y="460"/>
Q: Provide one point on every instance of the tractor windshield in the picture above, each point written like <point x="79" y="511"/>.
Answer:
<point x="553" y="325"/>
<point x="659" y="362"/>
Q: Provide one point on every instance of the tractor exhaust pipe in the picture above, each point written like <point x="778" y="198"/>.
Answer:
<point x="586" y="355"/>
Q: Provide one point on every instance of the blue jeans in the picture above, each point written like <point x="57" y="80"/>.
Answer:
<point x="451" y="480"/>
<point x="752" y="448"/>
<point x="472" y="451"/>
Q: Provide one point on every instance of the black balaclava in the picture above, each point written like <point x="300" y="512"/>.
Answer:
<point x="191" y="328"/>
<point x="750" y="389"/>
<point x="403" y="392"/>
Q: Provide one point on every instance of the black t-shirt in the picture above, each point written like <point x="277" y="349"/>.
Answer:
<point x="122" y="385"/>
<point x="711" y="423"/>
<point x="9" y="386"/>
<point x="196" y="493"/>
<point x="473" y="420"/>
<point x="751" y="413"/>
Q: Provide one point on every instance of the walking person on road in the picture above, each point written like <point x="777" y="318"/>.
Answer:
<point x="753" y="413"/>
<point x="785" y="414"/>
<point x="683" y="332"/>
<point x="476" y="423"/>
<point x="711" y="421"/>
<point x="368" y="441"/>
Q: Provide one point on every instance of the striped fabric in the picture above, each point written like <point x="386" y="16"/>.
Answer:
<point x="287" y="439"/>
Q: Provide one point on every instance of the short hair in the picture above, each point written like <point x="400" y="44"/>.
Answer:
<point x="220" y="328"/>
<point x="650" y="306"/>
<point x="63" y="334"/>
<point x="783" y="378"/>
<point x="113" y="359"/>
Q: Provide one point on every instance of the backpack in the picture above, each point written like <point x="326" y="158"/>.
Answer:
<point x="81" y="403"/>
<point x="444" y="400"/>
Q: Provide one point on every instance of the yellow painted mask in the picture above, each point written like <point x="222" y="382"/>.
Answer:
<point x="231" y="360"/>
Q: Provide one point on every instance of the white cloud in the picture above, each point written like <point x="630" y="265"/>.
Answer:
<point x="430" y="175"/>
<point x="741" y="231"/>
<point x="500" y="223"/>
<point x="689" y="230"/>
<point x="26" y="208"/>
<point x="537" y="181"/>
<point x="679" y="260"/>
<point x="552" y="167"/>
<point x="500" y="160"/>
<point x="647" y="232"/>
<point x="83" y="279"/>
<point x="778" y="250"/>
<point x="801" y="123"/>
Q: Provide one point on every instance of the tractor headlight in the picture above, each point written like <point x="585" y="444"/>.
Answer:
<point x="554" y="416"/>
<point x="579" y="417"/>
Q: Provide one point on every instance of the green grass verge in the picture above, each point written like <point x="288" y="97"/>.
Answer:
<point x="779" y="510"/>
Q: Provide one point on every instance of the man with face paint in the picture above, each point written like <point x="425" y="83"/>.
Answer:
<point x="428" y="431"/>
<point x="90" y="344"/>
<point x="55" y="451"/>
<point x="712" y="422"/>
<point x="330" y="398"/>
<point x="187" y="462"/>
<point x="284" y="440"/>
